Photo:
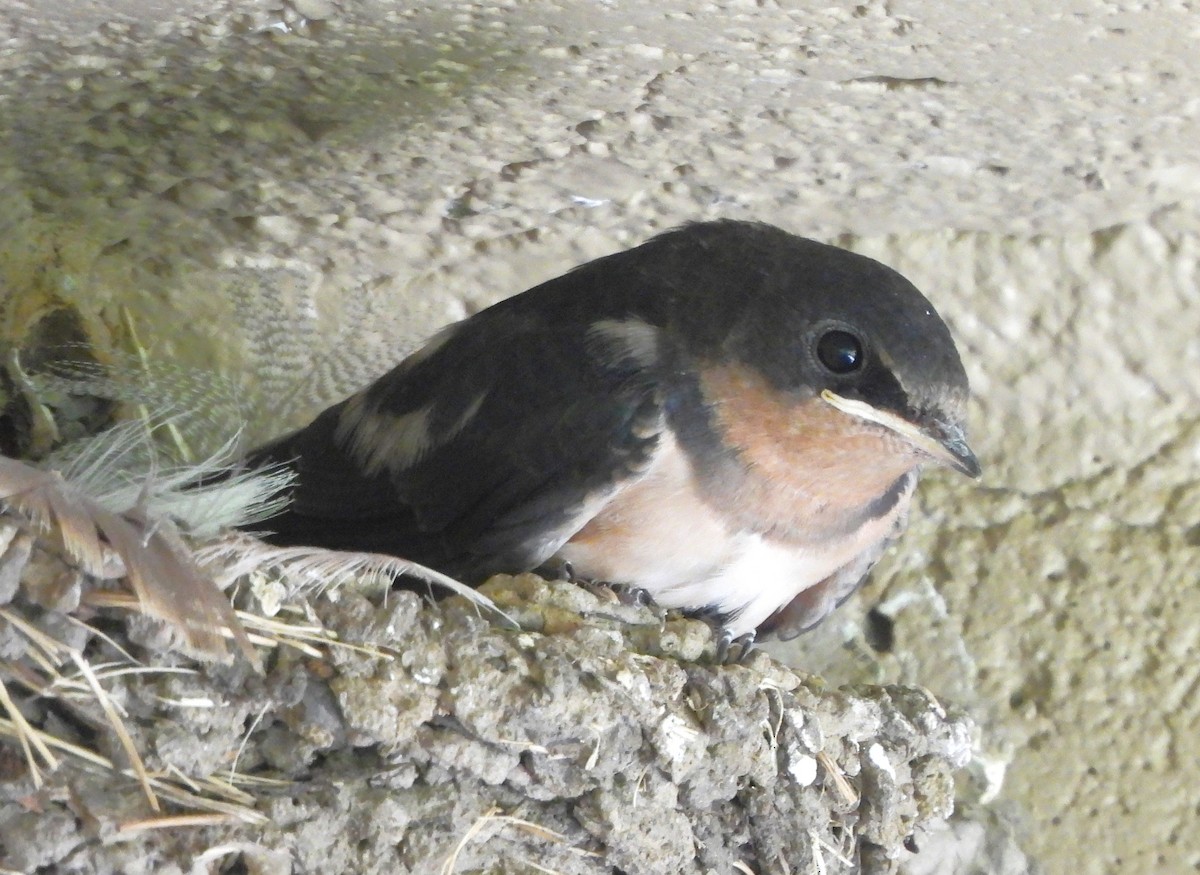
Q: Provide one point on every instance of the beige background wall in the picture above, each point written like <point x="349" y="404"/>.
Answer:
<point x="291" y="194"/>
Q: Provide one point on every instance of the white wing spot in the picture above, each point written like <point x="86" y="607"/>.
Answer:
<point x="616" y="341"/>
<point x="382" y="441"/>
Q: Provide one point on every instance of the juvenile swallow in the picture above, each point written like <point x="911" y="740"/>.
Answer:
<point x="729" y="417"/>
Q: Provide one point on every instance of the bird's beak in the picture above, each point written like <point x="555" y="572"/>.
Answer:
<point x="945" y="444"/>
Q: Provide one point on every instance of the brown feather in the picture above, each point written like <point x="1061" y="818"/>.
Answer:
<point x="166" y="579"/>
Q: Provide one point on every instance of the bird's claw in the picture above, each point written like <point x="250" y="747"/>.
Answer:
<point x="622" y="593"/>
<point x="633" y="595"/>
<point x="733" y="650"/>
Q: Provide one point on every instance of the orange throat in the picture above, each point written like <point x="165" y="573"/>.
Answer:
<point x="809" y="470"/>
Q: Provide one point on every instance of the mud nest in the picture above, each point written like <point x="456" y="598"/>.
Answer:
<point x="389" y="734"/>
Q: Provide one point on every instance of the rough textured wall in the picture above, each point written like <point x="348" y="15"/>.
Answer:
<point x="366" y="171"/>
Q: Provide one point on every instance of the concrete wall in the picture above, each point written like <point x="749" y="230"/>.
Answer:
<point x="292" y="194"/>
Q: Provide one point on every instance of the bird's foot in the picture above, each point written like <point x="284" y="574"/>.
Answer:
<point x="633" y="595"/>
<point x="622" y="593"/>
<point x="733" y="650"/>
<point x="557" y="569"/>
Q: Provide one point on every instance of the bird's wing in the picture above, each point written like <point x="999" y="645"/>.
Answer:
<point x="483" y="451"/>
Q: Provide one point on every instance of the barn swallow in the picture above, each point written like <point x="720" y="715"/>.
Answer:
<point x="728" y="417"/>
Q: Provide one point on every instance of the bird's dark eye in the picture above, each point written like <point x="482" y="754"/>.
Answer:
<point x="840" y="351"/>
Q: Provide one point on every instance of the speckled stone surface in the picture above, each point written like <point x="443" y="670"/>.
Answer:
<point x="293" y="193"/>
